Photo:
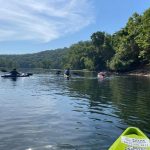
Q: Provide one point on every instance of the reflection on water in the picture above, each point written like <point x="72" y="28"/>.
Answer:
<point x="46" y="111"/>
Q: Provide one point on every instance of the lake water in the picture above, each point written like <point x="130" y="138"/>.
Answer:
<point x="48" y="112"/>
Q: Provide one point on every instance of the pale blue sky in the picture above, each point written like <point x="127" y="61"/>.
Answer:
<point x="28" y="26"/>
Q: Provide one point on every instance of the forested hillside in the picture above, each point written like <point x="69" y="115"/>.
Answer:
<point x="46" y="59"/>
<point x="125" y="50"/>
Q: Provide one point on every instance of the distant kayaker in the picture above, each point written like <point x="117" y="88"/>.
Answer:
<point x="67" y="72"/>
<point x="14" y="72"/>
<point x="101" y="75"/>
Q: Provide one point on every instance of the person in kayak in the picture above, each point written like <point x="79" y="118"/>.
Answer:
<point x="14" y="73"/>
<point x="67" y="72"/>
<point x="101" y="75"/>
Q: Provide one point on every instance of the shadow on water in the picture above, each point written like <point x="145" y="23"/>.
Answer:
<point x="127" y="96"/>
<point x="131" y="96"/>
<point x="14" y="79"/>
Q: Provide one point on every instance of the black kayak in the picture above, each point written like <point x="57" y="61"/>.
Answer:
<point x="12" y="76"/>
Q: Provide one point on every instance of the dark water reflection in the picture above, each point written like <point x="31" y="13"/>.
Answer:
<point x="47" y="112"/>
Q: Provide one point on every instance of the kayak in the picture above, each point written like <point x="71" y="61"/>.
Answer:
<point x="131" y="139"/>
<point x="101" y="75"/>
<point x="11" y="76"/>
<point x="66" y="76"/>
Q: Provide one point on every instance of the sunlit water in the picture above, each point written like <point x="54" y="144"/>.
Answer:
<point x="48" y="112"/>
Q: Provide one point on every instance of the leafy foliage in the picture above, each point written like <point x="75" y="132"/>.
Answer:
<point x="46" y="59"/>
<point x="132" y="43"/>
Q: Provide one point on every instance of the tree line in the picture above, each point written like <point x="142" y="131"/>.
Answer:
<point x="122" y="51"/>
<point x="46" y="59"/>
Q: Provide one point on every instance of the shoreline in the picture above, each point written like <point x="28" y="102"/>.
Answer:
<point x="141" y="71"/>
<point x="139" y="74"/>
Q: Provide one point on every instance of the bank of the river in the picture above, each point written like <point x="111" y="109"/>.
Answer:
<point x="142" y="71"/>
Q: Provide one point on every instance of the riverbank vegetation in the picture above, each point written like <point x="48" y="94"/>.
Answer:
<point x="125" y="50"/>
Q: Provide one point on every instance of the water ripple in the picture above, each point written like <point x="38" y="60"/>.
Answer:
<point x="48" y="112"/>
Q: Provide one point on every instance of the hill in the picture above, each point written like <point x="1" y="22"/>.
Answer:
<point x="45" y="59"/>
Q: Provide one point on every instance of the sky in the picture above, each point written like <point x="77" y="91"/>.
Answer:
<point x="30" y="26"/>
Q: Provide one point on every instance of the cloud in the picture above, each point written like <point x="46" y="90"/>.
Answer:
<point x="43" y="20"/>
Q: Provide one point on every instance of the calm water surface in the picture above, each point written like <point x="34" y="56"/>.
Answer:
<point x="47" y="112"/>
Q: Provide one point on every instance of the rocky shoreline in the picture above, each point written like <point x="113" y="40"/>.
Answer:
<point x="142" y="71"/>
<point x="140" y="74"/>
